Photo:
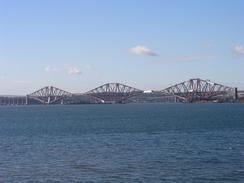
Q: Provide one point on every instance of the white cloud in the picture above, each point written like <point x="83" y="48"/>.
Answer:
<point x="74" y="71"/>
<point x="142" y="50"/>
<point x="51" y="69"/>
<point x="70" y="70"/>
<point x="239" y="49"/>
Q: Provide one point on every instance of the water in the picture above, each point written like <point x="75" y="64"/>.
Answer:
<point x="122" y="143"/>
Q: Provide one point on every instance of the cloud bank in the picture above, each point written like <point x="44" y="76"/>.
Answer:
<point x="69" y="71"/>
<point x="142" y="50"/>
<point x="239" y="49"/>
<point x="74" y="71"/>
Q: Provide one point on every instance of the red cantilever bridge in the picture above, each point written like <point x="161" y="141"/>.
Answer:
<point x="187" y="91"/>
<point x="107" y="93"/>
<point x="198" y="89"/>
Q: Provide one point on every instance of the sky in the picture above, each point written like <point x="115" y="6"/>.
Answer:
<point x="77" y="45"/>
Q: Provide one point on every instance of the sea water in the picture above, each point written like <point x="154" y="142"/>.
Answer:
<point x="122" y="143"/>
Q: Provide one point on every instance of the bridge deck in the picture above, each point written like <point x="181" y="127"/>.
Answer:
<point x="188" y="91"/>
<point x="13" y="100"/>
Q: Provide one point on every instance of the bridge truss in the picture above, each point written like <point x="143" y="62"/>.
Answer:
<point x="49" y="95"/>
<point x="187" y="91"/>
<point x="198" y="89"/>
<point x="114" y="92"/>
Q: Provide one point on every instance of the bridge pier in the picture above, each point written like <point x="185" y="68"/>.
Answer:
<point x="236" y="94"/>
<point x="26" y="100"/>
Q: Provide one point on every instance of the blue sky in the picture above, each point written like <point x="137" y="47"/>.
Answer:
<point x="148" y="44"/>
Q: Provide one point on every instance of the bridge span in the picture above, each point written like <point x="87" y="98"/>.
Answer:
<point x="13" y="100"/>
<point x="193" y="90"/>
<point x="201" y="90"/>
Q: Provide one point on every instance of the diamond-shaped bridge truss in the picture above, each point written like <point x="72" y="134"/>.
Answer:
<point x="198" y="89"/>
<point x="114" y="92"/>
<point x="49" y="95"/>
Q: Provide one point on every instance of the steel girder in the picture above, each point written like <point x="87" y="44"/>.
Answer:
<point x="114" y="92"/>
<point x="187" y="91"/>
<point x="198" y="89"/>
<point x="49" y="95"/>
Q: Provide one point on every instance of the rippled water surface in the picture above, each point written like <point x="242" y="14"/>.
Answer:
<point x="122" y="143"/>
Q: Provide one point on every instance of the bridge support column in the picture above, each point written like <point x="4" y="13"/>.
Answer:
<point x="236" y="94"/>
<point x="26" y="100"/>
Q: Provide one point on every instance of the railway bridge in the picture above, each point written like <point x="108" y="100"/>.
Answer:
<point x="114" y="92"/>
<point x="201" y="90"/>
<point x="193" y="90"/>
<point x="48" y="95"/>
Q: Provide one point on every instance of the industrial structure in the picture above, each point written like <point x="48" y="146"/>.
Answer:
<point x="48" y="95"/>
<point x="199" y="90"/>
<point x="193" y="90"/>
<point x="114" y="92"/>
